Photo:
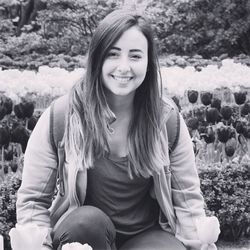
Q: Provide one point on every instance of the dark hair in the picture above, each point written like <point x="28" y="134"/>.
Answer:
<point x="89" y="109"/>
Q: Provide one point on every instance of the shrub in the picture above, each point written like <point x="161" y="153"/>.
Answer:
<point x="226" y="191"/>
<point x="8" y="192"/>
<point x="204" y="27"/>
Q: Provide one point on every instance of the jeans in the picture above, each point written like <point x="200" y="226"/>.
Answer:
<point x="88" y="224"/>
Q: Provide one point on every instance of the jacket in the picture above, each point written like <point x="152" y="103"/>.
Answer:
<point x="176" y="187"/>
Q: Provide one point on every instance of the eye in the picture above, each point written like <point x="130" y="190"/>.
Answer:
<point x="136" y="57"/>
<point x="112" y="54"/>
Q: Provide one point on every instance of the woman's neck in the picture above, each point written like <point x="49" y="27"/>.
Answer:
<point x="120" y="105"/>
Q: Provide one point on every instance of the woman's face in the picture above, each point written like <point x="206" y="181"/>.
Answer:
<point x="125" y="65"/>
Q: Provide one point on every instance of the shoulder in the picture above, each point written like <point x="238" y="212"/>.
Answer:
<point x="61" y="102"/>
<point x="169" y="108"/>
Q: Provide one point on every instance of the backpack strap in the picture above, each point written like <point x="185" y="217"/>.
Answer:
<point x="57" y="124"/>
<point x="57" y="121"/>
<point x="173" y="128"/>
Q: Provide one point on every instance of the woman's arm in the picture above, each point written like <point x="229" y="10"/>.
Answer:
<point x="187" y="198"/>
<point x="38" y="178"/>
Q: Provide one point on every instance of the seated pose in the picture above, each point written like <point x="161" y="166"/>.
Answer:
<point x="119" y="186"/>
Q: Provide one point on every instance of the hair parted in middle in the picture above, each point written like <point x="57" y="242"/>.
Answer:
<point x="89" y="114"/>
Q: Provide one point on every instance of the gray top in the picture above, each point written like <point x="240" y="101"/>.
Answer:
<point x="126" y="201"/>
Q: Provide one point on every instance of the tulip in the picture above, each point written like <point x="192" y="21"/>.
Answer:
<point x="245" y="109"/>
<point x="202" y="129"/>
<point x="246" y="132"/>
<point x="240" y="97"/>
<point x="4" y="136"/>
<point x="3" y="112"/>
<point x="223" y="134"/>
<point x="239" y="126"/>
<point x="27" y="237"/>
<point x="216" y="103"/>
<point x="19" y="111"/>
<point x="230" y="147"/>
<point x="212" y="115"/>
<point x="14" y="166"/>
<point x="192" y="96"/>
<point x="209" y="137"/>
<point x="199" y="113"/>
<point x="226" y="112"/>
<point x="8" y="104"/>
<point x="20" y="135"/>
<point x="32" y="122"/>
<point x="4" y="141"/>
<point x="206" y="98"/>
<point x="193" y="123"/>
<point x="208" y="230"/>
<point x="8" y="155"/>
<point x="76" y="246"/>
<point x="229" y="150"/>
<point x="29" y="108"/>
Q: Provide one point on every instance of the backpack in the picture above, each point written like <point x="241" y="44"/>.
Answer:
<point x="57" y="124"/>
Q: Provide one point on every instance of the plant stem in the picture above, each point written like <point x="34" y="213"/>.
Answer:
<point x="2" y="154"/>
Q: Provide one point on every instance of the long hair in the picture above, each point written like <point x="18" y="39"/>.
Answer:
<point x="89" y="115"/>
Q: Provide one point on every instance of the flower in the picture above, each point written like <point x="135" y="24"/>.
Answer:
<point x="208" y="229"/>
<point x="76" y="246"/>
<point x="209" y="136"/>
<point x="239" y="126"/>
<point x="245" y="109"/>
<point x="246" y="132"/>
<point x="216" y="103"/>
<point x="229" y="149"/>
<point x="193" y="123"/>
<point x="223" y="134"/>
<point x="240" y="97"/>
<point x="27" y="237"/>
<point x="206" y="98"/>
<point x="4" y="136"/>
<point x="192" y="96"/>
<point x="226" y="112"/>
<point x="212" y="115"/>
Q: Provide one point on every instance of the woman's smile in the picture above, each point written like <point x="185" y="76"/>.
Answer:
<point x="122" y="79"/>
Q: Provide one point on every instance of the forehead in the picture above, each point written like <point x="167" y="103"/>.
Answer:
<point x="132" y="39"/>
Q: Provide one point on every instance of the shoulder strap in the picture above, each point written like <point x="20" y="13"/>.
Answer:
<point x="173" y="128"/>
<point x="57" y="121"/>
<point x="57" y="124"/>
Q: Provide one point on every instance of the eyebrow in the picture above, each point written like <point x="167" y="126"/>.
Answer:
<point x="131" y="50"/>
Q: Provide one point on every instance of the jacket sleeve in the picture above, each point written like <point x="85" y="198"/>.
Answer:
<point x="186" y="194"/>
<point x="38" y="178"/>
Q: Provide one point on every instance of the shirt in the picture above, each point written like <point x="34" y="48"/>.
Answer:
<point x="126" y="201"/>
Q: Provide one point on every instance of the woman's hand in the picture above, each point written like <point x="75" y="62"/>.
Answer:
<point x="76" y="246"/>
<point x="208" y="229"/>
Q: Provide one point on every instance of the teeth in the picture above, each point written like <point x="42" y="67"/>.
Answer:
<point x="122" y="79"/>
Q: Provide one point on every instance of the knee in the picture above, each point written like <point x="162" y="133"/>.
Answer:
<point x="85" y="224"/>
<point x="89" y="218"/>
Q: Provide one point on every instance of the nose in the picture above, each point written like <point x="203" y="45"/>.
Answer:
<point x="123" y="65"/>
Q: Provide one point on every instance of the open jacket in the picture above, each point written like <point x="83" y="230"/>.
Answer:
<point x="176" y="187"/>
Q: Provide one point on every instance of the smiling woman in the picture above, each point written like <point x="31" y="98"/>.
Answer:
<point x="119" y="184"/>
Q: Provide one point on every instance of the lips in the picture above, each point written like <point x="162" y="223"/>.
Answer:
<point x="122" y="79"/>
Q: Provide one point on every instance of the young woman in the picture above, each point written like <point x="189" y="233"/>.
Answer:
<point x="122" y="188"/>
